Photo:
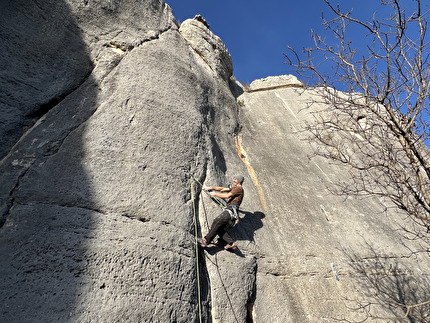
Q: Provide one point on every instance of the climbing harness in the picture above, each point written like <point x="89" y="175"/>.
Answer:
<point x="221" y="205"/>
<point x="232" y="210"/>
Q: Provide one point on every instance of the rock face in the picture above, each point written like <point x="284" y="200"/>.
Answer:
<point x="208" y="46"/>
<point x="113" y="116"/>
<point x="37" y="68"/>
<point x="320" y="257"/>
<point x="274" y="82"/>
<point x="96" y="216"/>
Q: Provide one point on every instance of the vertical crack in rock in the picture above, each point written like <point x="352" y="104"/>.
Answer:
<point x="44" y="108"/>
<point x="5" y="210"/>
<point x="203" y="282"/>
<point x="231" y="277"/>
<point x="251" y="299"/>
<point x="242" y="156"/>
<point x="205" y="289"/>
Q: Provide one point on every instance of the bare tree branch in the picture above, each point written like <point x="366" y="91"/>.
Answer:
<point x="378" y="124"/>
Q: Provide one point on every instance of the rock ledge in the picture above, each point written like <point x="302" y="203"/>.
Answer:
<point x="275" y="82"/>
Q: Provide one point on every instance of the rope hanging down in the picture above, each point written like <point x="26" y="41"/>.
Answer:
<point x="221" y="205"/>
<point x="197" y="252"/>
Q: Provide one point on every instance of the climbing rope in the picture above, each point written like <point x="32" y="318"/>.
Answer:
<point x="197" y="252"/>
<point x="213" y="198"/>
<point x="221" y="205"/>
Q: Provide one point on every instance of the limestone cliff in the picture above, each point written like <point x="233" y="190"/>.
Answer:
<point x="112" y="111"/>
<point x="320" y="257"/>
<point x="112" y="116"/>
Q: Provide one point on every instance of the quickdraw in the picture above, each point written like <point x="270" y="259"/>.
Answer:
<point x="213" y="198"/>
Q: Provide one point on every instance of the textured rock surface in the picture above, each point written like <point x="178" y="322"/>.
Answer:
<point x="274" y="82"/>
<point x="95" y="197"/>
<point x="208" y="46"/>
<point x="109" y="111"/>
<point x="38" y="67"/>
<point x="307" y="229"/>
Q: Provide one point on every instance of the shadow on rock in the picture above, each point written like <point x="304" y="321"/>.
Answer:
<point x="248" y="225"/>
<point x="235" y="88"/>
<point x="244" y="230"/>
<point x="212" y="250"/>
<point x="43" y="242"/>
<point x="391" y="287"/>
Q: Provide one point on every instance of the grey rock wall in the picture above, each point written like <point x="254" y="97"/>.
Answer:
<point x="208" y="46"/>
<point x="110" y="109"/>
<point x="44" y="58"/>
<point x="320" y="257"/>
<point x="96" y="210"/>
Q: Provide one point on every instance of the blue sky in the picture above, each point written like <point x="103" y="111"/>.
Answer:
<point x="257" y="33"/>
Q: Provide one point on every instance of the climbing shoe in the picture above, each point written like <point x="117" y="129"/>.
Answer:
<point x="202" y="242"/>
<point x="233" y="246"/>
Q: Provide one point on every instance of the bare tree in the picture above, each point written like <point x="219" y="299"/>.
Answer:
<point x="373" y="118"/>
<point x="392" y="292"/>
<point x="379" y="123"/>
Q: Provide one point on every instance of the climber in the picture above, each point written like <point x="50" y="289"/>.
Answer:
<point x="229" y="216"/>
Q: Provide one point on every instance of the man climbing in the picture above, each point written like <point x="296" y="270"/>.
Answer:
<point x="229" y="216"/>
